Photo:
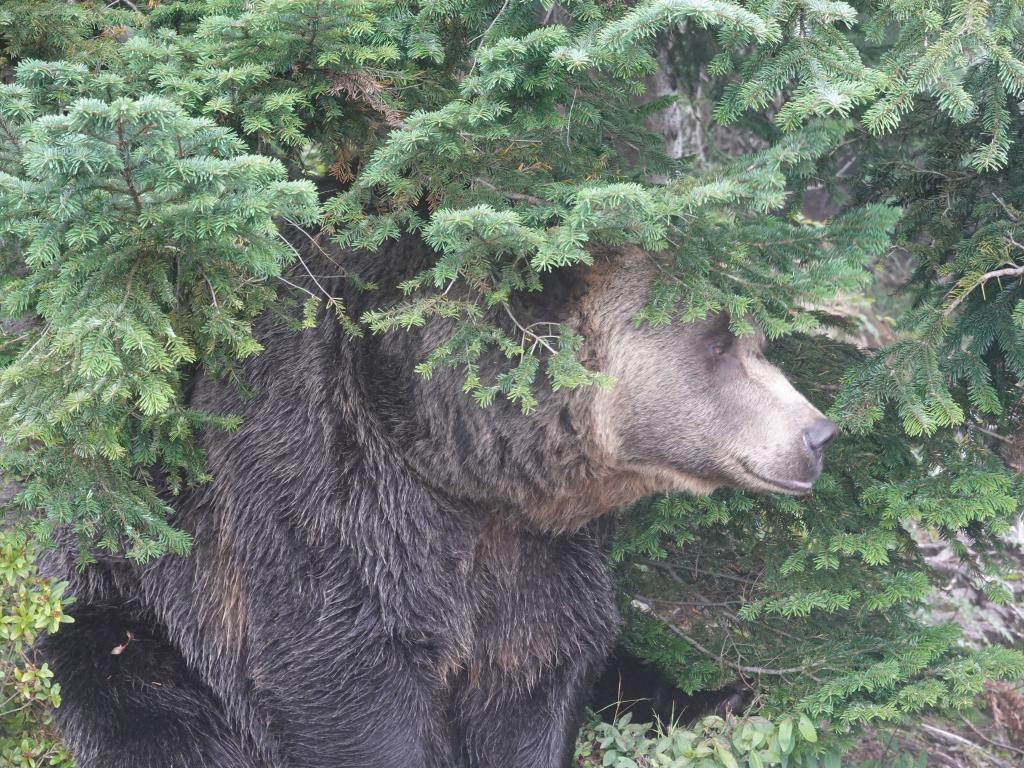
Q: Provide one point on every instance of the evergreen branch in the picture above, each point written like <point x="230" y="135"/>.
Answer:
<point x="526" y="333"/>
<point x="718" y="658"/>
<point x="1011" y="215"/>
<point x="113" y="239"/>
<point x="520" y="196"/>
<point x="1015" y="271"/>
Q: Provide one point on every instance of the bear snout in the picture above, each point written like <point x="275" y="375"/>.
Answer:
<point x="819" y="435"/>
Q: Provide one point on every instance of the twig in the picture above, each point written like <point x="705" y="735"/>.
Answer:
<point x="126" y="171"/>
<point x="213" y="293"/>
<point x="841" y="173"/>
<point x="957" y="739"/>
<point x="1015" y="271"/>
<point x="305" y="266"/>
<point x="568" y="120"/>
<point x="512" y="195"/>
<point x="716" y="574"/>
<point x="989" y="432"/>
<point x="742" y="668"/>
<point x="993" y="742"/>
<point x="313" y="241"/>
<point x="731" y="664"/>
<point x="306" y="291"/>
<point x="526" y="332"/>
<point x="1006" y="209"/>
<point x="25" y="355"/>
<point x="484" y="33"/>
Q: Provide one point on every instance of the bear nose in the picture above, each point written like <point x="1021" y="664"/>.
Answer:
<point x="820" y="435"/>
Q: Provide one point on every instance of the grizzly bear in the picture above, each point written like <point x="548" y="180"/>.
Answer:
<point x="384" y="573"/>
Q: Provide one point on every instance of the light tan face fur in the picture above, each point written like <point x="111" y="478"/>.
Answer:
<point x="694" y="407"/>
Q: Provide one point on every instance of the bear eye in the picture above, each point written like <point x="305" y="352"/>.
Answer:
<point x="721" y="345"/>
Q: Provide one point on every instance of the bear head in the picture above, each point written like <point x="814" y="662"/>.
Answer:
<point x="693" y="408"/>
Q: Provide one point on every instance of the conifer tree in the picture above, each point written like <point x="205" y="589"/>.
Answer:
<point x="150" y="154"/>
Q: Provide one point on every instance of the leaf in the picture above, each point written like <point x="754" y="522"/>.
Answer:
<point x="786" y="741"/>
<point x="807" y="729"/>
<point x="724" y="755"/>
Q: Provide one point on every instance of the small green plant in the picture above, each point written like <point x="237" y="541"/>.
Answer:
<point x="712" y="742"/>
<point x="29" y="606"/>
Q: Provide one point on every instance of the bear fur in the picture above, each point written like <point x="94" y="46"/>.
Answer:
<point x="386" y="574"/>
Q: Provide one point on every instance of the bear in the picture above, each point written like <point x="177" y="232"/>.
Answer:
<point x="385" y="573"/>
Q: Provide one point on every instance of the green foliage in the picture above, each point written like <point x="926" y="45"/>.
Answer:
<point x="147" y="158"/>
<point x="286" y="72"/>
<point x="29" y="606"/>
<point x="713" y="742"/>
<point x="962" y="348"/>
<point x="561" y="189"/>
<point x="42" y="29"/>
<point x="131" y="230"/>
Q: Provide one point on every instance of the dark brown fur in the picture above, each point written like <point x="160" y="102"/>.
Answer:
<point x="385" y="574"/>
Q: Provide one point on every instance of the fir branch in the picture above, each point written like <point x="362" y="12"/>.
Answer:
<point x="719" y="658"/>
<point x="1014" y="271"/>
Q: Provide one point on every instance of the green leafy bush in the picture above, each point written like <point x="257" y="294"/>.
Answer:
<point x="29" y="606"/>
<point x="712" y="742"/>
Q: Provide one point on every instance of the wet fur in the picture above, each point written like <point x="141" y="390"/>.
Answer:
<point x="385" y="574"/>
<point x="347" y="604"/>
